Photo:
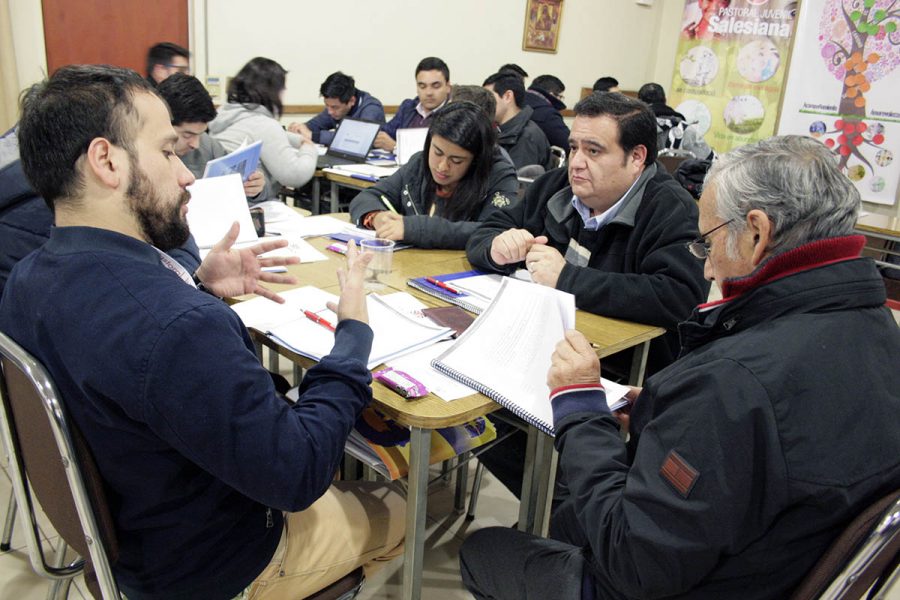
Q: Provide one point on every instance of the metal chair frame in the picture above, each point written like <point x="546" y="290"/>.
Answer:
<point x="884" y="532"/>
<point x="53" y="406"/>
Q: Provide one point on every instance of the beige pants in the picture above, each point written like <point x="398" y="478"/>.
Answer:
<point x="354" y="523"/>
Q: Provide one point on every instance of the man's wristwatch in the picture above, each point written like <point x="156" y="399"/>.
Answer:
<point x="200" y="286"/>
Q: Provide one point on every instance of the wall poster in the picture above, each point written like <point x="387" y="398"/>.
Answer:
<point x="730" y="68"/>
<point x="844" y="89"/>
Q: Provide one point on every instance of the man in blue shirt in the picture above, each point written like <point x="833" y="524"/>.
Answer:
<point x="432" y="89"/>
<point x="216" y="485"/>
<point x="342" y="99"/>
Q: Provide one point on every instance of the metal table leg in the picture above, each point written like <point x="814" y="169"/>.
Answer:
<point x="545" y="482"/>
<point x="316" y="195"/>
<point x="639" y="364"/>
<point x="335" y="197"/>
<point x="413" y="553"/>
<point x="537" y="486"/>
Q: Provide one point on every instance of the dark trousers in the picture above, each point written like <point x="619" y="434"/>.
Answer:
<point x="499" y="563"/>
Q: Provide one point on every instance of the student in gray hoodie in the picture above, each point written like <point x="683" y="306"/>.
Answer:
<point x="252" y="112"/>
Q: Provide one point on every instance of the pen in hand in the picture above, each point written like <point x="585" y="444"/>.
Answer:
<point x="319" y="320"/>
<point x="384" y="200"/>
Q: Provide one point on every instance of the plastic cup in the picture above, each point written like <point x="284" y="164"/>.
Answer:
<point x="382" y="261"/>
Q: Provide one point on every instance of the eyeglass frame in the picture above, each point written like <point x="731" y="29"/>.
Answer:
<point x="699" y="248"/>
<point x="179" y="68"/>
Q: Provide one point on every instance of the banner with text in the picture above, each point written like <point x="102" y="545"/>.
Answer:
<point x="730" y="67"/>
<point x="844" y="89"/>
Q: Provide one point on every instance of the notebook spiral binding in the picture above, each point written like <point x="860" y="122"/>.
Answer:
<point x="461" y="302"/>
<point x="498" y="398"/>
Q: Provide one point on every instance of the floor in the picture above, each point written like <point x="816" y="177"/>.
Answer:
<point x="446" y="531"/>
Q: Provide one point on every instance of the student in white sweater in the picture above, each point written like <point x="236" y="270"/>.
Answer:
<point x="252" y="112"/>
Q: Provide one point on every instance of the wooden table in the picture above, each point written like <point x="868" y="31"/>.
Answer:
<point x="336" y="182"/>
<point x="884" y="228"/>
<point x="425" y="414"/>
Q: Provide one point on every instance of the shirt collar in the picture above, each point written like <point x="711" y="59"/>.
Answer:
<point x="427" y="113"/>
<point x="597" y="221"/>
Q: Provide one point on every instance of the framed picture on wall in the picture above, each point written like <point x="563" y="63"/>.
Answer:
<point x="542" y="19"/>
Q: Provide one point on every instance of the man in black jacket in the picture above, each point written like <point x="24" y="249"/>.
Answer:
<point x="611" y="230"/>
<point x="545" y="97"/>
<point x="752" y="452"/>
<point x="523" y="139"/>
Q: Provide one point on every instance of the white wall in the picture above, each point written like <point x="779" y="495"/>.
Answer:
<point x="379" y="43"/>
<point x="28" y="41"/>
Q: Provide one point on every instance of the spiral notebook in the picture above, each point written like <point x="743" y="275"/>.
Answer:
<point x="470" y="301"/>
<point x="505" y="354"/>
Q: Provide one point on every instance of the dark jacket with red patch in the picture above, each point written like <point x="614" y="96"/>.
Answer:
<point x="754" y="450"/>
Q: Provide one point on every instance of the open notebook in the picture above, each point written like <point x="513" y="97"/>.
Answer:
<point x="395" y="332"/>
<point x="505" y="354"/>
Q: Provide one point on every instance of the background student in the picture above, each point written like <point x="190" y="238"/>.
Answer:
<point x="441" y="195"/>
<point x="165" y="59"/>
<point x="192" y="108"/>
<point x="432" y="92"/>
<point x="342" y="99"/>
<point x="252" y="112"/>
<point x="523" y="139"/>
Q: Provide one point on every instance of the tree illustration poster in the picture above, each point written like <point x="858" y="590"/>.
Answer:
<point x="844" y="89"/>
<point x="730" y="67"/>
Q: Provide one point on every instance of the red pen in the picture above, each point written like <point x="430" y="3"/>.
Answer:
<point x="317" y="319"/>
<point x="441" y="284"/>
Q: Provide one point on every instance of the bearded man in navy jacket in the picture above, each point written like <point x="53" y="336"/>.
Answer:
<point x="216" y="485"/>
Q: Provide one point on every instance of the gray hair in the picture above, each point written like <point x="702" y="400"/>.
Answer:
<point x="795" y="180"/>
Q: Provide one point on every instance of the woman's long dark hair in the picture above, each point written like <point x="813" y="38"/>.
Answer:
<point x="466" y="125"/>
<point x="260" y="82"/>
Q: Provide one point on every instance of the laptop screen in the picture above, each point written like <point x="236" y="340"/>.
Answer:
<point x="354" y="138"/>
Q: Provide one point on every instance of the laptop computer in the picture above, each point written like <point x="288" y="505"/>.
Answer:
<point x="351" y="144"/>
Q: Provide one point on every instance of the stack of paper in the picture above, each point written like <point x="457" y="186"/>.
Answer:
<point x="288" y="324"/>
<point x="506" y="353"/>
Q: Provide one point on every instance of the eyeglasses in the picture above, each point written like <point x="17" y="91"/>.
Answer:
<point x="700" y="247"/>
<point x="181" y="68"/>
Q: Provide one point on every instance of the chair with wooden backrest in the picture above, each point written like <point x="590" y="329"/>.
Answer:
<point x="62" y="474"/>
<point x="670" y="159"/>
<point x="865" y="552"/>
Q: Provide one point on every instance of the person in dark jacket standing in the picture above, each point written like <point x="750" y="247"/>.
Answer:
<point x="217" y="486"/>
<point x="342" y="99"/>
<point x="545" y="97"/>
<point x="441" y="195"/>
<point x="523" y="139"/>
<point x="750" y="454"/>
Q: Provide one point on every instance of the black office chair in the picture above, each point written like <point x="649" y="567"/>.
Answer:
<point x="50" y="459"/>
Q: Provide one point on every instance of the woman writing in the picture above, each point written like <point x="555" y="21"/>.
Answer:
<point x="443" y="193"/>
<point x="251" y="114"/>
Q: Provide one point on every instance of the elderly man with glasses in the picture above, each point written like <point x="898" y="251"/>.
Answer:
<point x="753" y="451"/>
